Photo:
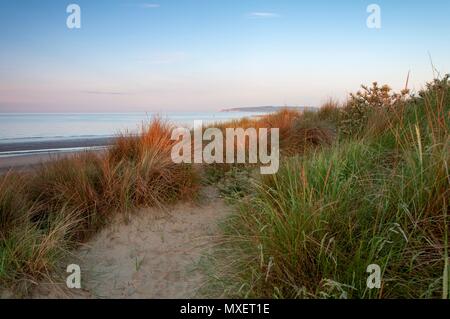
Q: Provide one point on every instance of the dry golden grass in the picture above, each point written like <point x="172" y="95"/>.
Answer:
<point x="46" y="212"/>
<point x="298" y="131"/>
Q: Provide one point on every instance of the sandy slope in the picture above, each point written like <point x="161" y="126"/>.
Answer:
<point x="157" y="254"/>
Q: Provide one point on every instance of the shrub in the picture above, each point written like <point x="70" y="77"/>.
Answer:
<point x="355" y="114"/>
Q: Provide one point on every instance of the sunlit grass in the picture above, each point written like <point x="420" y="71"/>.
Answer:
<point x="46" y="212"/>
<point x="379" y="196"/>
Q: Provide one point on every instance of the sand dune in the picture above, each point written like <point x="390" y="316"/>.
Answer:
<point x="156" y="254"/>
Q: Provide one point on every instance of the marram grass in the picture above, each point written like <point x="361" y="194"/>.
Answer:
<point x="380" y="196"/>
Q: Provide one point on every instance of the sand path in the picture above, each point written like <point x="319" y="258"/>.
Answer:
<point x="156" y="254"/>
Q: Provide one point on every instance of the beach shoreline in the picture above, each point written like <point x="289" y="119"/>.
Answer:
<point x="23" y="156"/>
<point x="57" y="144"/>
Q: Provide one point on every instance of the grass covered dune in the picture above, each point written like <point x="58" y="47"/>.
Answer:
<point x="362" y="183"/>
<point x="378" y="195"/>
<point x="47" y="212"/>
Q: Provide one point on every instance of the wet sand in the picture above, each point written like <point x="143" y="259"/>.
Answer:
<point x="26" y="155"/>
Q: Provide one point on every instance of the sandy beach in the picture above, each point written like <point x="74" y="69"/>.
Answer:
<point x="25" y="155"/>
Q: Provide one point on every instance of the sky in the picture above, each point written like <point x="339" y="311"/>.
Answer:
<point x="206" y="55"/>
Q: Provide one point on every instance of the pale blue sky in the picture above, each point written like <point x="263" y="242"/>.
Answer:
<point x="194" y="55"/>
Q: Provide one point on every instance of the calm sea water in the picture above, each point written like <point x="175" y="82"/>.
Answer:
<point x="16" y="128"/>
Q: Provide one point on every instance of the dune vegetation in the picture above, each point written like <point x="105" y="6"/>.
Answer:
<point x="376" y="192"/>
<point x="48" y="211"/>
<point x="366" y="182"/>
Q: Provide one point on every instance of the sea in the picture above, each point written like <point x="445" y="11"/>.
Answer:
<point x="18" y="129"/>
